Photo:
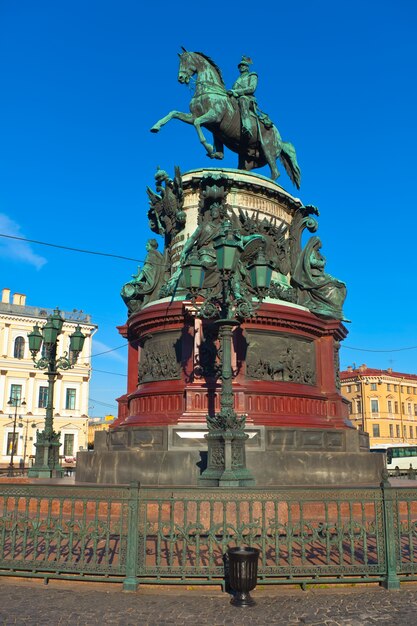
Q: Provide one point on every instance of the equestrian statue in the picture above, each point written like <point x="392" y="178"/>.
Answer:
<point x="232" y="116"/>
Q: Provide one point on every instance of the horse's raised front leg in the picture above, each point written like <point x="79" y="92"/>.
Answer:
<point x="188" y="118"/>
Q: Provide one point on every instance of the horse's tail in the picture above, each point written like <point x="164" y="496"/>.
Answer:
<point x="288" y="157"/>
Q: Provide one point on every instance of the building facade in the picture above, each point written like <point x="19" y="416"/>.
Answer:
<point x="24" y="389"/>
<point x="383" y="403"/>
<point x="98" y="423"/>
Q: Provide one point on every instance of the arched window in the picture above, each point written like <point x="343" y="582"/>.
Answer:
<point x="19" y="348"/>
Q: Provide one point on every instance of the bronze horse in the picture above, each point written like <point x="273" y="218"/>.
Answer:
<point x="212" y="108"/>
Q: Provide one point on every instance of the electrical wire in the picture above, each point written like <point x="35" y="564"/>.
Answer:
<point x="102" y="403"/>
<point x="91" y="356"/>
<point x="370" y="350"/>
<point x="342" y="346"/>
<point x="106" y="372"/>
<point x="125" y="258"/>
<point x="55" y="245"/>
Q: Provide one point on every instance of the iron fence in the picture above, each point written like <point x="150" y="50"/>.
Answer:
<point x="181" y="535"/>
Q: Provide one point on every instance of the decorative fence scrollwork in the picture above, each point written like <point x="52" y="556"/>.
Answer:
<point x="151" y="535"/>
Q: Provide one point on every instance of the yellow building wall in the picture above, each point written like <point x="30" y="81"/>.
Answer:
<point x="383" y="406"/>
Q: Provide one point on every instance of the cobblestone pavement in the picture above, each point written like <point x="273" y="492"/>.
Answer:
<point x="83" y="604"/>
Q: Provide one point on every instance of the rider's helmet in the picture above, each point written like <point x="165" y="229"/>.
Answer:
<point x="245" y="61"/>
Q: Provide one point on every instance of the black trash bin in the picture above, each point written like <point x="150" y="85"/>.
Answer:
<point x="243" y="574"/>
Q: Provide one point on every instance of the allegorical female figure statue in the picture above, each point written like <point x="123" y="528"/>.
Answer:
<point x="146" y="283"/>
<point x="321" y="293"/>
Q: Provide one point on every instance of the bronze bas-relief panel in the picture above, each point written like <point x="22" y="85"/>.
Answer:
<point x="160" y="358"/>
<point x="280" y="358"/>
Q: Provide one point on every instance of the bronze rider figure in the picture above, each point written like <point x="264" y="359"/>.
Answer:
<point x="244" y="89"/>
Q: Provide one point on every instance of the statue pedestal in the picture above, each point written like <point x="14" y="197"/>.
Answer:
<point x="286" y="382"/>
<point x="285" y="360"/>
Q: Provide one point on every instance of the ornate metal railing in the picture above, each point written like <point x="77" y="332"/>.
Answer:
<point x="63" y="530"/>
<point x="181" y="535"/>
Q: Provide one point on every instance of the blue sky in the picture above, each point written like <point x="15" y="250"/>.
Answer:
<point x="83" y="81"/>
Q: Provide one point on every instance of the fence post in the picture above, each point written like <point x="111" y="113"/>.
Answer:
<point x="392" y="581"/>
<point x="131" y="582"/>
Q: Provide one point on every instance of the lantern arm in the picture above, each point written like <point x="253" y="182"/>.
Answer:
<point x="65" y="362"/>
<point x="42" y="363"/>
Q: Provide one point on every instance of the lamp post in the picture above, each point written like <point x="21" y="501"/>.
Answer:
<point x="47" y="444"/>
<point x="14" y="401"/>
<point x="26" y="437"/>
<point x="226" y="437"/>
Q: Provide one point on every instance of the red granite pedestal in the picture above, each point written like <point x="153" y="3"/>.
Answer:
<point x="286" y="383"/>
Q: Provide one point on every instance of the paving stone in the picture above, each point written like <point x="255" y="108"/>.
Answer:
<point x="30" y="603"/>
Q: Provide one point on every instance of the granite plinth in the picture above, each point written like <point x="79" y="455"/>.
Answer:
<point x="275" y="456"/>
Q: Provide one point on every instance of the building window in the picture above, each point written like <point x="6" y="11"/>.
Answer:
<point x="395" y="387"/>
<point x="348" y="389"/>
<point x="70" y="399"/>
<point x="19" y="348"/>
<point x="358" y="406"/>
<point x="16" y="394"/>
<point x="402" y="408"/>
<point x="374" y="406"/>
<point x="414" y="390"/>
<point x="409" y="408"/>
<point x="373" y="386"/>
<point x="405" y="431"/>
<point x="408" y="389"/>
<point x="388" y="387"/>
<point x="68" y="444"/>
<point x="396" y="406"/>
<point x="389" y="406"/>
<point x="397" y="430"/>
<point x="391" y="430"/>
<point x="10" y="443"/>
<point x="411" y="432"/>
<point x="358" y="387"/>
<point x="375" y="430"/>
<point x="43" y="397"/>
<point x="415" y="410"/>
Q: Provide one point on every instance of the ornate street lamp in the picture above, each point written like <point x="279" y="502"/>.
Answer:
<point x="14" y="401"/>
<point x="26" y="437"/>
<point x="226" y="437"/>
<point x="48" y="441"/>
<point x="193" y="274"/>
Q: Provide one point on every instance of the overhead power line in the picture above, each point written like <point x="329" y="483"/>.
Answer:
<point x="342" y="346"/>
<point x="91" y="356"/>
<point x="371" y="350"/>
<point x="106" y="372"/>
<point x="103" y="403"/>
<point x="55" y="245"/>
<point x="125" y="258"/>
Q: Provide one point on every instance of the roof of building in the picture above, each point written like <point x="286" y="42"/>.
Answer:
<point x="37" y="311"/>
<point x="369" y="371"/>
<point x="15" y="304"/>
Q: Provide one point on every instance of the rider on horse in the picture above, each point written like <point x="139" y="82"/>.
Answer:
<point x="244" y="90"/>
<point x="211" y="108"/>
